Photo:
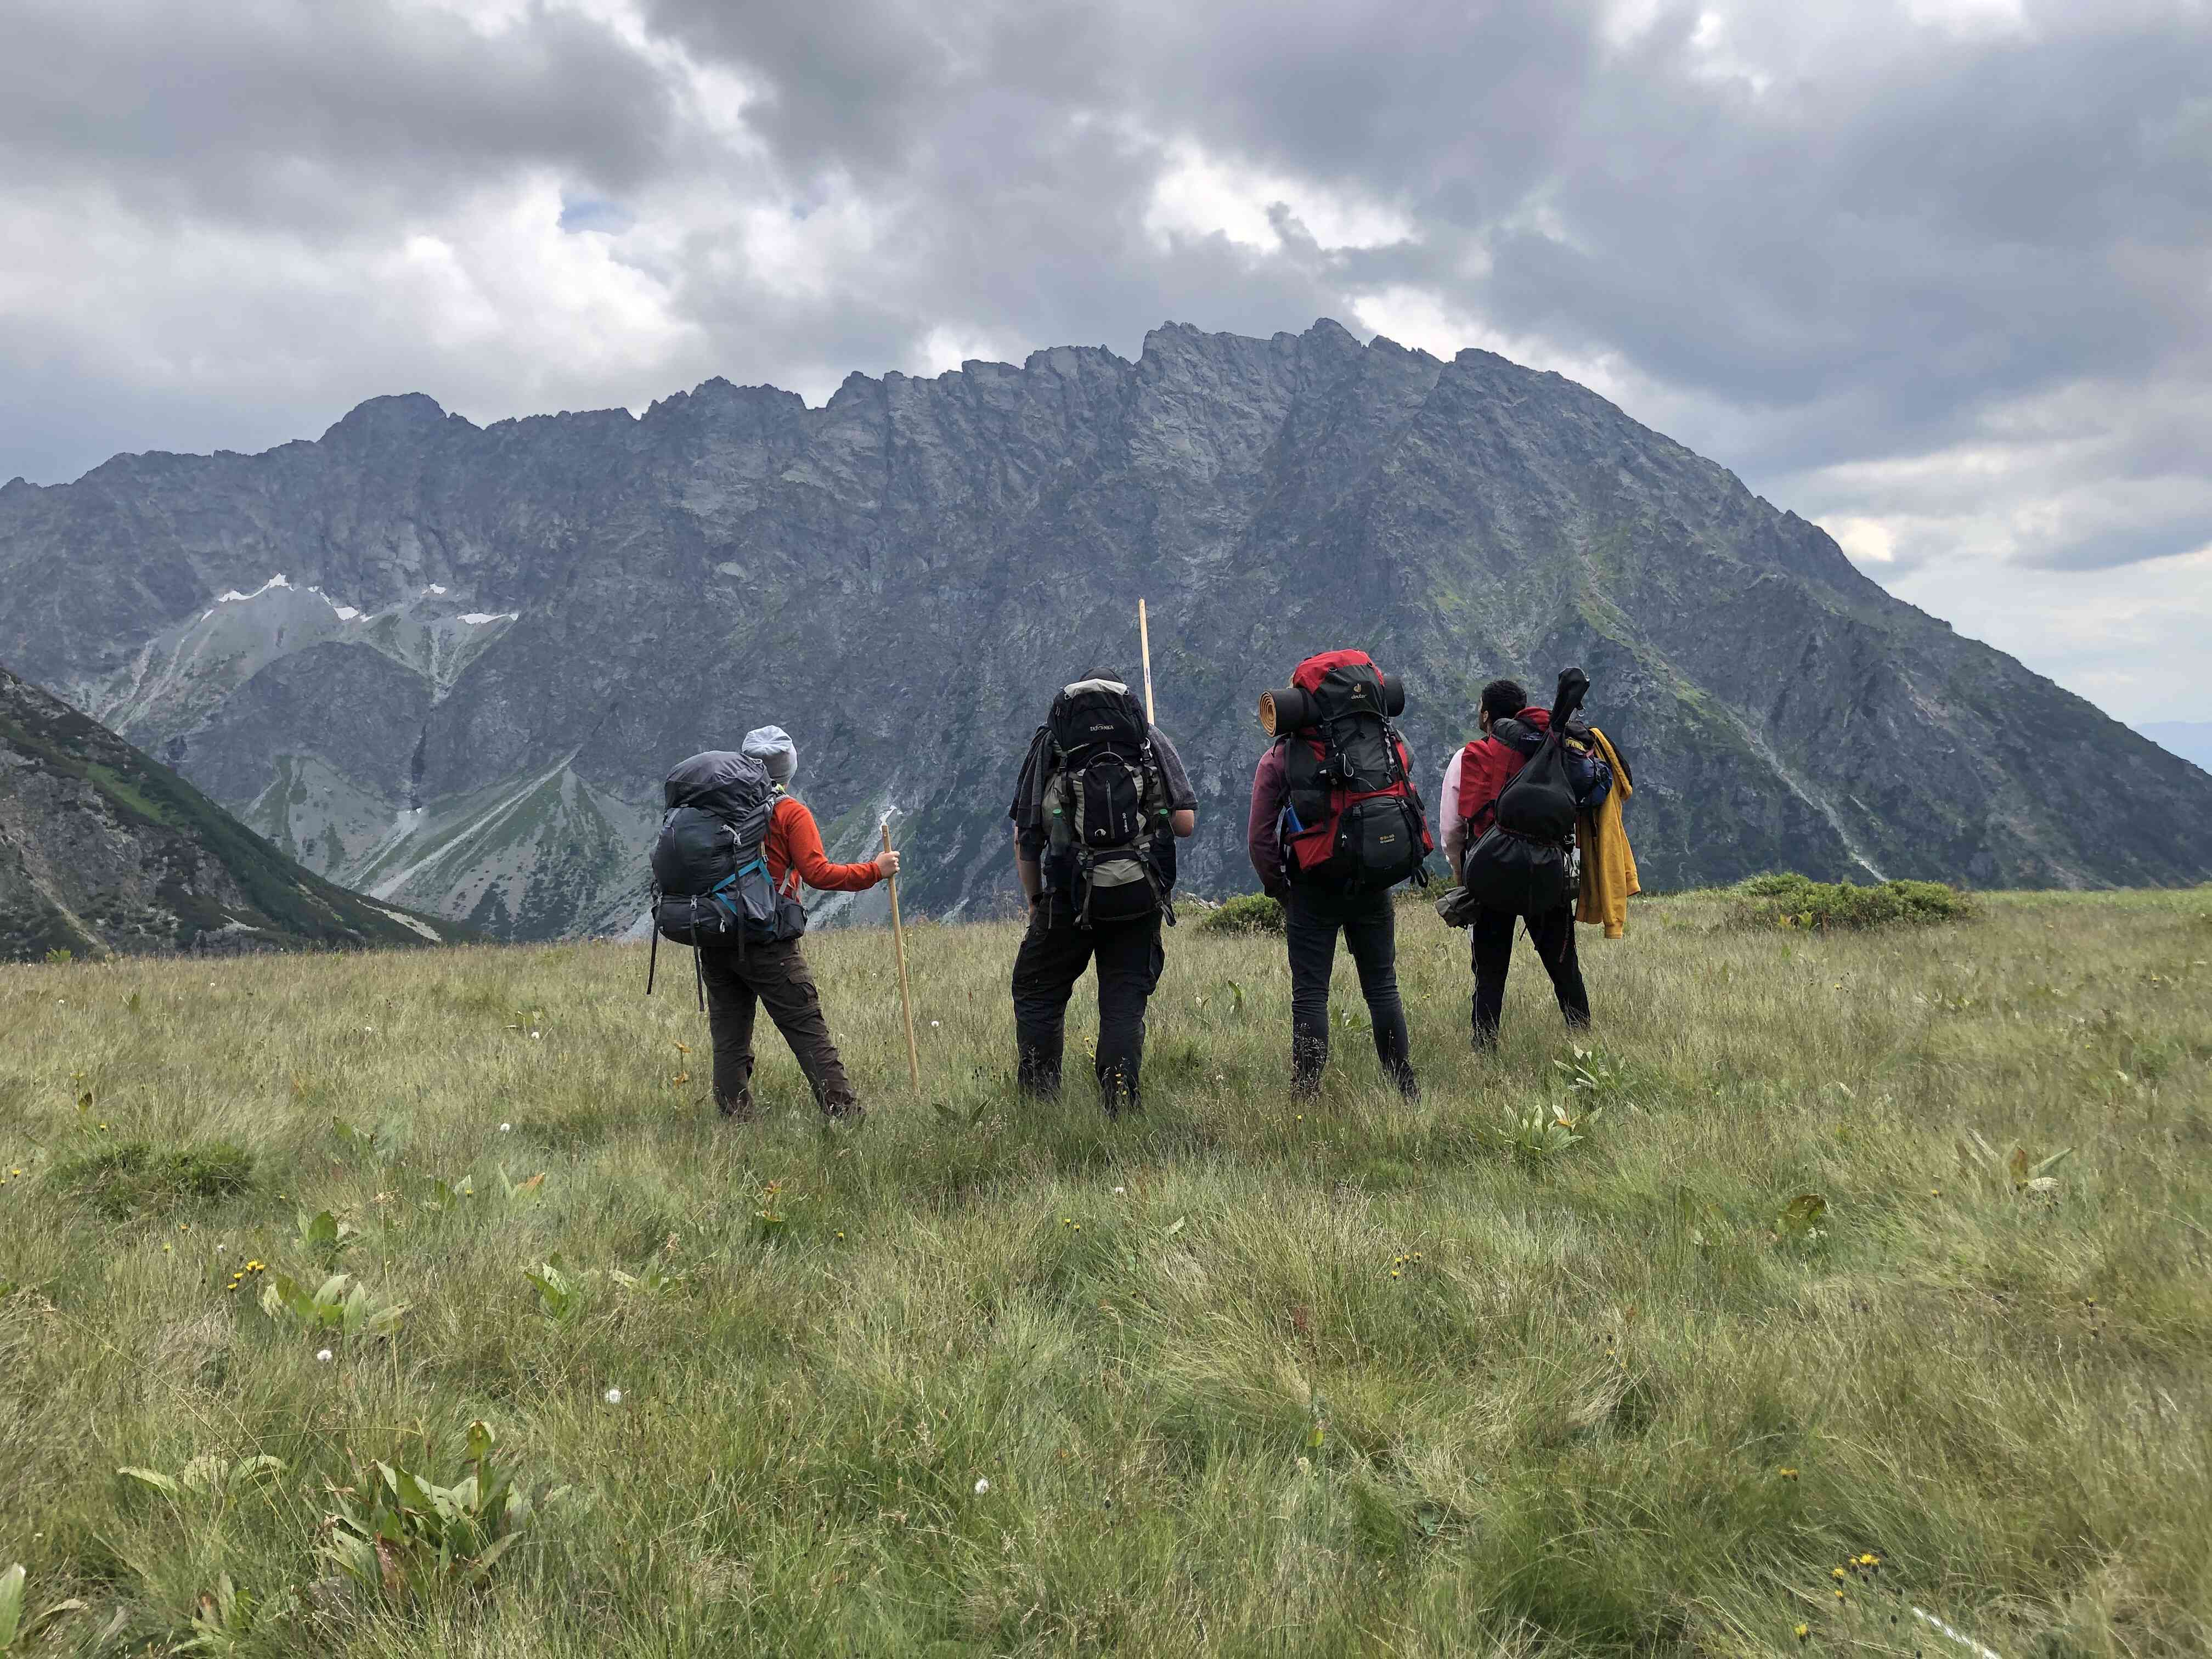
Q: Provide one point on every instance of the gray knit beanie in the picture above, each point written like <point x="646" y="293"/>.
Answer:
<point x="771" y="746"/>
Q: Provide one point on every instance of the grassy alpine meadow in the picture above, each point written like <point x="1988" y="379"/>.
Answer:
<point x="418" y="1303"/>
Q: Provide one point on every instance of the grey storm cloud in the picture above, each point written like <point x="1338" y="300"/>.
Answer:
<point x="255" y="111"/>
<point x="1938" y="273"/>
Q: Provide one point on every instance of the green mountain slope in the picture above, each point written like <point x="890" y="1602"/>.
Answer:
<point x="102" y="849"/>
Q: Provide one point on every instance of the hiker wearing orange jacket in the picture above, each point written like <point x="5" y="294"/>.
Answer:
<point x="739" y="981"/>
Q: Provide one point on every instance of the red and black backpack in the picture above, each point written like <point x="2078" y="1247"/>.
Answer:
<point x="1351" y="814"/>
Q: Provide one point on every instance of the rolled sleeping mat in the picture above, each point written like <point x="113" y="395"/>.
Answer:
<point x="1286" y="710"/>
<point x="1290" y="708"/>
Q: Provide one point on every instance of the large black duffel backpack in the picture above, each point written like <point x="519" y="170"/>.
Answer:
<point x="1521" y="864"/>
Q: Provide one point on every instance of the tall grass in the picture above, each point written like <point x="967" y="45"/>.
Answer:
<point x="1243" y="1374"/>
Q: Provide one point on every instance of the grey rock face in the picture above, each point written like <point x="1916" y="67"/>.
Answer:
<point x="102" y="849"/>
<point x="491" y="644"/>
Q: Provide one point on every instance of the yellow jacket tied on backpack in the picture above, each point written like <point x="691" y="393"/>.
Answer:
<point x="1608" y="862"/>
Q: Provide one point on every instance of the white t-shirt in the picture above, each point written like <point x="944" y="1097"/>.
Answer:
<point x="1451" y="832"/>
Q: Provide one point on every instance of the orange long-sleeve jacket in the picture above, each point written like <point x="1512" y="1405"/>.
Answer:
<point x="794" y="849"/>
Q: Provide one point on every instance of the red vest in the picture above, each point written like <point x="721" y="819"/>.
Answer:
<point x="1486" y="767"/>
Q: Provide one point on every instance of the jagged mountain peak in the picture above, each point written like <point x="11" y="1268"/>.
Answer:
<point x="398" y="412"/>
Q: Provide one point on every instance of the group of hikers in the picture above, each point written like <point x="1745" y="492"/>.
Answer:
<point x="1529" y="819"/>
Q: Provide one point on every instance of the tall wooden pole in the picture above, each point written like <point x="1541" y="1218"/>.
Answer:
<point x="906" y="997"/>
<point x="1145" y="639"/>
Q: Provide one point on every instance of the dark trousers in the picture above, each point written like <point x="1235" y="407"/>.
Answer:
<point x="1053" y="954"/>
<point x="1312" y="917"/>
<point x="1553" y="935"/>
<point x="776" y="974"/>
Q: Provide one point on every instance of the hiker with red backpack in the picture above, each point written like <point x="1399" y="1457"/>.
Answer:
<point x="1509" y="813"/>
<point x="1101" y="801"/>
<point x="1335" y="824"/>
<point x="732" y="850"/>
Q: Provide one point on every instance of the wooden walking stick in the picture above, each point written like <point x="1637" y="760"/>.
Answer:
<point x="906" y="998"/>
<point x="1145" y="639"/>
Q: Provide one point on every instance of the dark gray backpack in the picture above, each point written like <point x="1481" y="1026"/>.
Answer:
<point x="710" y="879"/>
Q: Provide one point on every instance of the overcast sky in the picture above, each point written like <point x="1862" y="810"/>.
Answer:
<point x="1935" y="273"/>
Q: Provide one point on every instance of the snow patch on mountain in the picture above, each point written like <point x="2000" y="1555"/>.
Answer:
<point x="234" y="597"/>
<point x="181" y="676"/>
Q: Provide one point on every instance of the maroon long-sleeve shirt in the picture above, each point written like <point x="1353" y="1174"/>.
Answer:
<point x="1261" y="840"/>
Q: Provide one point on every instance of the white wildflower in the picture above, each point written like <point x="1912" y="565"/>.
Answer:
<point x="614" y="1397"/>
<point x="1120" y="1192"/>
<point x="983" y="1487"/>
<point x="322" y="1356"/>
<point x="506" y="1128"/>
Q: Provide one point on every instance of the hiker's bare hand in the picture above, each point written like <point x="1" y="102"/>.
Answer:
<point x="887" y="864"/>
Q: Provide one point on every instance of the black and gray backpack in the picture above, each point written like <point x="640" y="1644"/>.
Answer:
<point x="710" y="880"/>
<point x="1106" y="803"/>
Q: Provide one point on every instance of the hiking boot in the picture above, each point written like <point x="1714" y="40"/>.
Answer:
<point x="740" y="1110"/>
<point x="845" y="1114"/>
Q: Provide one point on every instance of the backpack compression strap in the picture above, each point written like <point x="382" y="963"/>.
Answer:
<point x="1087" y="862"/>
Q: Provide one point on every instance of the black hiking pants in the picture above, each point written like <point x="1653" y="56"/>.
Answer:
<point x="1553" y="935"/>
<point x="738" y="983"/>
<point x="1313" y="915"/>
<point x="1053" y="954"/>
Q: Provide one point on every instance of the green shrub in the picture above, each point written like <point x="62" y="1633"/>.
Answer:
<point x="1776" y="885"/>
<point x="1247" y="913"/>
<point x="1794" y="901"/>
<point x="124" y="1180"/>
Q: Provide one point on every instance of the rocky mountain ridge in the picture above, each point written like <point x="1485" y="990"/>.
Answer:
<point x="448" y="664"/>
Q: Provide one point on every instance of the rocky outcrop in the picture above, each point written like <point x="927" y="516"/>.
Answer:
<point x="104" y="850"/>
<point x="449" y="664"/>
